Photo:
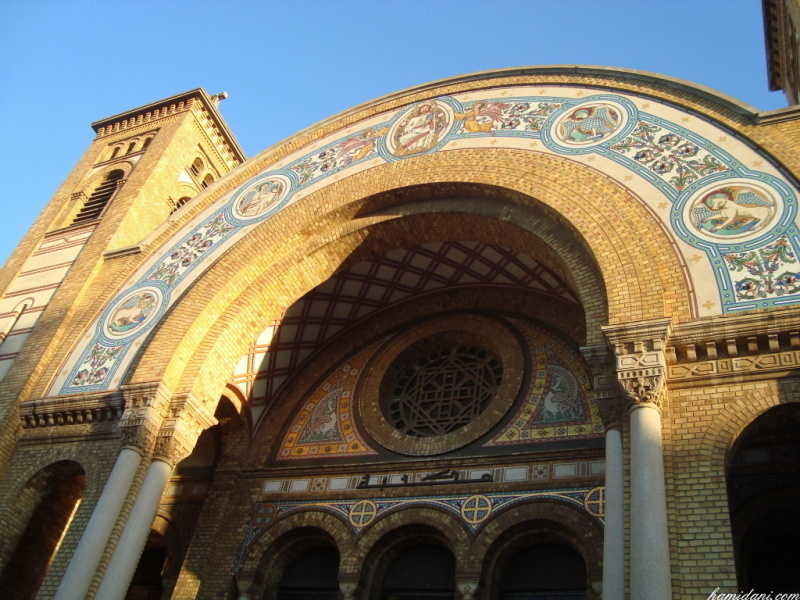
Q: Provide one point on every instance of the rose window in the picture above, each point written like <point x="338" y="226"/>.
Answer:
<point x="436" y="388"/>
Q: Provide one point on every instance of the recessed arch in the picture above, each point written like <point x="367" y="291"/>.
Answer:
<point x="338" y="241"/>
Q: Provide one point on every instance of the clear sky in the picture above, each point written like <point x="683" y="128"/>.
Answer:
<point x="286" y="65"/>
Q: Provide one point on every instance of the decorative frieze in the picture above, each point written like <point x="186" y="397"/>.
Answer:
<point x="605" y="391"/>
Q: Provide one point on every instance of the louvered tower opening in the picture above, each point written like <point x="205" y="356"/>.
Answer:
<point x="94" y="205"/>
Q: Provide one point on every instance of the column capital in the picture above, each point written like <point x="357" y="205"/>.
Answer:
<point x="467" y="589"/>
<point x="185" y="420"/>
<point x="640" y="360"/>
<point x="348" y="589"/>
<point x="604" y="391"/>
<point x="145" y="407"/>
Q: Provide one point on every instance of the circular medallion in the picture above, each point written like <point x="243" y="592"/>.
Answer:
<point x="440" y="385"/>
<point x="476" y="509"/>
<point x="261" y="197"/>
<point x="436" y="387"/>
<point x="362" y="513"/>
<point x="588" y="124"/>
<point x="133" y="312"/>
<point x="420" y="128"/>
<point x="595" y="501"/>
<point x="738" y="210"/>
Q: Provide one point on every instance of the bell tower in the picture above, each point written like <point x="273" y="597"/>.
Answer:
<point x="142" y="167"/>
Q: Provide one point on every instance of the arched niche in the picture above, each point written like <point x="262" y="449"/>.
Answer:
<point x="763" y="475"/>
<point x="49" y="501"/>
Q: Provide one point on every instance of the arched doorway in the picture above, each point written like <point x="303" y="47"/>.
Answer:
<point x="535" y="560"/>
<point x="413" y="562"/>
<point x="311" y="575"/>
<point x="50" y="498"/>
<point x="301" y="564"/>
<point x="764" y="500"/>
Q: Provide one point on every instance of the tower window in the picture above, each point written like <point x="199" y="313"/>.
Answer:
<point x="96" y="203"/>
<point x="131" y="147"/>
<point x="197" y="166"/>
<point x="146" y="143"/>
<point x="207" y="180"/>
<point x="114" y="153"/>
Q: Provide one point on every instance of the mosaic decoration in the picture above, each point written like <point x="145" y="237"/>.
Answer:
<point x="557" y="405"/>
<point x="724" y="199"/>
<point x="324" y="426"/>
<point x="420" y="129"/>
<point x="589" y="123"/>
<point x="261" y="198"/>
<point x="732" y="212"/>
<point x="132" y="312"/>
<point x="472" y="510"/>
<point x="771" y="270"/>
<point x="673" y="158"/>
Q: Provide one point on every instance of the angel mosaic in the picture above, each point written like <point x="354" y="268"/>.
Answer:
<point x="259" y="200"/>
<point x="562" y="402"/>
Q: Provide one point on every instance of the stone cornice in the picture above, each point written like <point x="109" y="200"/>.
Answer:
<point x="170" y="106"/>
<point x="748" y="344"/>
<point x="71" y="410"/>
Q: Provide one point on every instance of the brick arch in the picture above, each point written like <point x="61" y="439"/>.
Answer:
<point x="251" y="575"/>
<point x="445" y="523"/>
<point x="225" y="308"/>
<point x="573" y="525"/>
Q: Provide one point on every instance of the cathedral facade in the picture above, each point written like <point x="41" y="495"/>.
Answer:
<point x="524" y="334"/>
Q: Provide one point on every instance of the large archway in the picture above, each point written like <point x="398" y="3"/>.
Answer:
<point x="764" y="499"/>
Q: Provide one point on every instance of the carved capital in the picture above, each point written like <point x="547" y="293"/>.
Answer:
<point x="185" y="421"/>
<point x="640" y="360"/>
<point x="605" y="388"/>
<point x="145" y="409"/>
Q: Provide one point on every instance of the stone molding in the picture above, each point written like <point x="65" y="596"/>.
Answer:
<point x="639" y="350"/>
<point x="185" y="420"/>
<point x="83" y="409"/>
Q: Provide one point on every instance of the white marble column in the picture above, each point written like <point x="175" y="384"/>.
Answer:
<point x="614" y="533"/>
<point x="125" y="559"/>
<point x="81" y="568"/>
<point x="650" y="571"/>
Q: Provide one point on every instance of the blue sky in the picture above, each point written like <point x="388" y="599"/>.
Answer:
<point x="288" y="65"/>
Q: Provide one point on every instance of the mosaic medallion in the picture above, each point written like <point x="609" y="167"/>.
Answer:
<point x="362" y="513"/>
<point x="261" y="198"/>
<point x="731" y="212"/>
<point x="588" y="124"/>
<point x="420" y="129"/>
<point x="132" y="312"/>
<point x="595" y="501"/>
<point x="476" y="509"/>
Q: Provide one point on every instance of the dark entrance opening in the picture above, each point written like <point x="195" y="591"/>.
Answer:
<point x="543" y="572"/>
<point x="764" y="501"/>
<point x="422" y="571"/>
<point x="311" y="575"/>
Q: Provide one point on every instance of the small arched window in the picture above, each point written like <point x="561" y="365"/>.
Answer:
<point x="131" y="147"/>
<point x="197" y="166"/>
<point x="207" y="180"/>
<point x="146" y="143"/>
<point x="180" y="202"/>
<point x="114" y="153"/>
<point x="96" y="203"/>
